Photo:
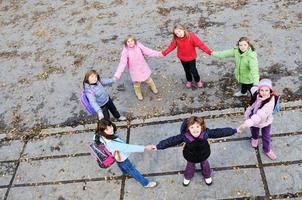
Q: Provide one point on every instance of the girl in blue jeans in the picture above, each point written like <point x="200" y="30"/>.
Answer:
<point x="105" y="133"/>
<point x="197" y="149"/>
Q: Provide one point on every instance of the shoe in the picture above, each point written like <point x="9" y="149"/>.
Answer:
<point x="199" y="84"/>
<point x="271" y="155"/>
<point x="122" y="118"/>
<point x="151" y="85"/>
<point x="138" y="92"/>
<point x="239" y="94"/>
<point x="189" y="85"/>
<point x="186" y="182"/>
<point x="254" y="143"/>
<point x="151" y="184"/>
<point x="208" y="180"/>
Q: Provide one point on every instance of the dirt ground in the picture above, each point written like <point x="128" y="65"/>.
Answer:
<point x="47" y="46"/>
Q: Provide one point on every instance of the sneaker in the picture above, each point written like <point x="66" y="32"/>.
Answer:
<point x="122" y="118"/>
<point x="208" y="180"/>
<point x="186" y="182"/>
<point x="271" y="155"/>
<point x="239" y="94"/>
<point x="189" y="85"/>
<point x="199" y="84"/>
<point x="151" y="184"/>
<point x="254" y="142"/>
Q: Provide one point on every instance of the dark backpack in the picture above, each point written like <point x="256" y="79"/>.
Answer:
<point x="277" y="106"/>
<point x="101" y="154"/>
<point x="197" y="150"/>
<point x="85" y="102"/>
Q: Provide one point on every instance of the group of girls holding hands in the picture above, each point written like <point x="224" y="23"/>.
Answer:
<point x="194" y="133"/>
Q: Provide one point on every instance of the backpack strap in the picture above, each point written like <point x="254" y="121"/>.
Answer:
<point x="189" y="137"/>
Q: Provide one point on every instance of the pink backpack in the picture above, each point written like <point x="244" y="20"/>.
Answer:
<point x="101" y="154"/>
<point x="85" y="102"/>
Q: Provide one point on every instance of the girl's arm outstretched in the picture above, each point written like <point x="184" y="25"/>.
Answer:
<point x="122" y="65"/>
<point x="171" y="141"/>
<point x="149" y="52"/>
<point x="220" y="132"/>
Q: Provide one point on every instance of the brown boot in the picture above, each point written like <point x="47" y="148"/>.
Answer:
<point x="137" y="90"/>
<point x="151" y="85"/>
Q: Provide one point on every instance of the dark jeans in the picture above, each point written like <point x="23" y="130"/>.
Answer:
<point x="266" y="136"/>
<point x="110" y="106"/>
<point x="205" y="170"/>
<point x="190" y="69"/>
<point x="246" y="87"/>
<point x="128" y="169"/>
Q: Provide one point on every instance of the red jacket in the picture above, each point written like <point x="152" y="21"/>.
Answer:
<point x="186" y="47"/>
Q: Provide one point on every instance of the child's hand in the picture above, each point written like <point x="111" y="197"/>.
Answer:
<point x="150" y="147"/>
<point x="239" y="130"/>
<point x="161" y="55"/>
<point x="100" y="115"/>
<point x="114" y="79"/>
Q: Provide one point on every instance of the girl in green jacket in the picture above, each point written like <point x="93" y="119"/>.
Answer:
<point x="246" y="64"/>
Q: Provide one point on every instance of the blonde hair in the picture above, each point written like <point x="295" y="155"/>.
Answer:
<point x="181" y="27"/>
<point x="130" y="37"/>
<point x="199" y="120"/>
<point x="89" y="73"/>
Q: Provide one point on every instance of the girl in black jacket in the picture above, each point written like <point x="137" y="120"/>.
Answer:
<point x="197" y="149"/>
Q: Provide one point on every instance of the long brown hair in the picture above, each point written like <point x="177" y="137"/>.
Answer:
<point x="100" y="130"/>
<point x="247" y="40"/>
<point x="199" y="120"/>
<point x="89" y="73"/>
<point x="181" y="27"/>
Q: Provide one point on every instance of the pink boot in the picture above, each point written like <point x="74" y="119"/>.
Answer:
<point x="189" y="85"/>
<point x="199" y="84"/>
<point x="271" y="155"/>
<point x="254" y="143"/>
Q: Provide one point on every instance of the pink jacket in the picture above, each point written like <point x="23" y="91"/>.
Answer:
<point x="137" y="65"/>
<point x="260" y="117"/>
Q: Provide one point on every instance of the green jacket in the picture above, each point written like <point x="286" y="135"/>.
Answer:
<point x="246" y="70"/>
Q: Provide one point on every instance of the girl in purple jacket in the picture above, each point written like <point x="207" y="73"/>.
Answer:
<point x="259" y="115"/>
<point x="133" y="55"/>
<point x="197" y="149"/>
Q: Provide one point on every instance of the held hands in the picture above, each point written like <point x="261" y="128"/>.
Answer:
<point x="114" y="79"/>
<point x="161" y="55"/>
<point x="150" y="147"/>
<point x="241" y="127"/>
<point x="100" y="115"/>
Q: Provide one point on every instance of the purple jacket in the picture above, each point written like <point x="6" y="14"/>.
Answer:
<point x="137" y="65"/>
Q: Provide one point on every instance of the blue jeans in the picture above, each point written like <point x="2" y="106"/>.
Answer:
<point x="128" y="169"/>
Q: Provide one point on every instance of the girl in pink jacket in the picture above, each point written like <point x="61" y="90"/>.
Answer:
<point x="259" y="115"/>
<point x="133" y="55"/>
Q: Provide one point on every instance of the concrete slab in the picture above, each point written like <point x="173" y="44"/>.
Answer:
<point x="241" y="183"/>
<point x="6" y="172"/>
<point x="10" y="150"/>
<point x="89" y="190"/>
<point x="232" y="154"/>
<point x="2" y="193"/>
<point x="284" y="179"/>
<point x="60" y="169"/>
<point x="62" y="144"/>
<point x="289" y="121"/>
<point x="287" y="148"/>
<point x="223" y="155"/>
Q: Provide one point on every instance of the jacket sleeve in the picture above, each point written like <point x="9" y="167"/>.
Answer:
<point x="148" y="52"/>
<point x="224" y="54"/>
<point x="106" y="81"/>
<point x="253" y="64"/>
<point x="200" y="44"/>
<point x="122" y="65"/>
<point x="92" y="100"/>
<point x="170" y="48"/>
<point x="220" y="132"/>
<point x="123" y="147"/>
<point x="261" y="114"/>
<point x="171" y="141"/>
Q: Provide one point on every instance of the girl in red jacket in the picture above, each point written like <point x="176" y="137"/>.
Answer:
<point x="186" y="42"/>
